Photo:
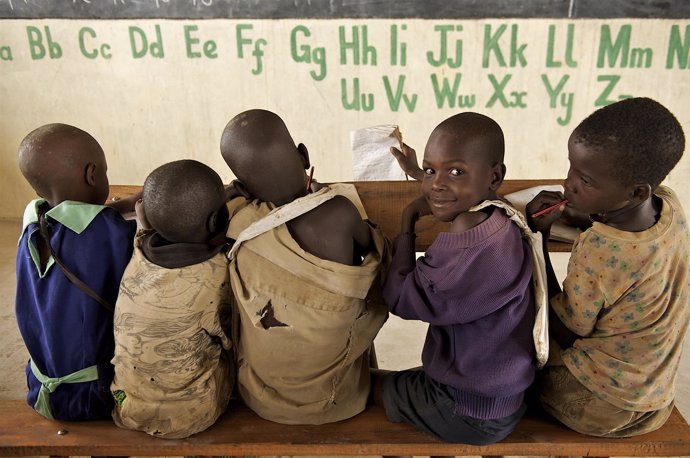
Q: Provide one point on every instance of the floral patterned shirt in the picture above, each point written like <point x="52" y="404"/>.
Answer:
<point x="627" y="295"/>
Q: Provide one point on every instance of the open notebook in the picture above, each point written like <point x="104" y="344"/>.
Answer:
<point x="559" y="231"/>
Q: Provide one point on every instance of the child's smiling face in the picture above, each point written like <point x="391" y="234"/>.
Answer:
<point x="457" y="173"/>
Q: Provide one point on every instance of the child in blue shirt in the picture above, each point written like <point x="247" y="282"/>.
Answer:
<point x="70" y="259"/>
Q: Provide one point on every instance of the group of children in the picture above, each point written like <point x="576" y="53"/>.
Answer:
<point x="277" y="285"/>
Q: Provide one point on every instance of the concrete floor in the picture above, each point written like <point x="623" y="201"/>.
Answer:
<point x="398" y="345"/>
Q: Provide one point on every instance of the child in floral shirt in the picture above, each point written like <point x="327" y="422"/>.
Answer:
<point x="621" y="317"/>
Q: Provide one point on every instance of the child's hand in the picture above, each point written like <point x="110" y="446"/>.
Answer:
<point x="127" y="204"/>
<point x="314" y="186"/>
<point x="407" y="159"/>
<point x="572" y="217"/>
<point x="543" y="200"/>
<point x="141" y="215"/>
<point x="414" y="210"/>
<point x="231" y="191"/>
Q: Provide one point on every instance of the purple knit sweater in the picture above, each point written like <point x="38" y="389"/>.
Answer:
<point x="474" y="289"/>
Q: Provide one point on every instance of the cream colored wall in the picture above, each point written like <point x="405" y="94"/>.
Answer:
<point x="149" y="110"/>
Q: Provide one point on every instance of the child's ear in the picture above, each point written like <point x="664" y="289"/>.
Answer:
<point x="90" y="174"/>
<point x="641" y="191"/>
<point x="242" y="189"/>
<point x="304" y="154"/>
<point x="212" y="222"/>
<point x="498" y="173"/>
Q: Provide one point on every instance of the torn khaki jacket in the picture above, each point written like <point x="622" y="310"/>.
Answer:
<point x="310" y="363"/>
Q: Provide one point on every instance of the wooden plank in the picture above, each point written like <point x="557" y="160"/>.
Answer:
<point x="241" y="432"/>
<point x="385" y="201"/>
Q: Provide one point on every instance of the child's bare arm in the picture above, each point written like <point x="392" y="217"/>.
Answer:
<point x="126" y="204"/>
<point x="231" y="191"/>
<point x="334" y="231"/>
<point x="407" y="159"/>
<point x="543" y="223"/>
<point x="350" y="218"/>
<point x="361" y="234"/>
<point x="559" y="331"/>
<point x="141" y="215"/>
<point x="545" y="199"/>
<point x="414" y="210"/>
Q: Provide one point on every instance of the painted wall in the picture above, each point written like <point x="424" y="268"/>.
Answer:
<point x="157" y="90"/>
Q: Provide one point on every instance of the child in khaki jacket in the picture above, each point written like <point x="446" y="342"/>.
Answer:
<point x="305" y="270"/>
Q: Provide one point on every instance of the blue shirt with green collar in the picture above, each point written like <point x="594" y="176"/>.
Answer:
<point x="69" y="335"/>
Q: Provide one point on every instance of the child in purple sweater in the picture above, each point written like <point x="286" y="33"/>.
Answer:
<point x="474" y="288"/>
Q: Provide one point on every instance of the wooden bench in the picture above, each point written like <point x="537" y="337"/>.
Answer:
<point x="241" y="432"/>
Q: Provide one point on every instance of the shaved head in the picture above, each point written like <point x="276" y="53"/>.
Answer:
<point x="180" y="198"/>
<point x="480" y="131"/>
<point x="260" y="151"/>
<point x="63" y="162"/>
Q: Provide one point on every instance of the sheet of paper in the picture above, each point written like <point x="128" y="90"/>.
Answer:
<point x="371" y="157"/>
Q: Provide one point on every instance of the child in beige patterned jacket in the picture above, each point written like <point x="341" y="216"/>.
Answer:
<point x="173" y="370"/>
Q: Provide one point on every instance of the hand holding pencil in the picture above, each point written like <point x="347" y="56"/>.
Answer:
<point x="550" y="208"/>
<point x="544" y="210"/>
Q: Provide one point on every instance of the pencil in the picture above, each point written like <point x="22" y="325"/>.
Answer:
<point x="549" y="208"/>
<point x="311" y="176"/>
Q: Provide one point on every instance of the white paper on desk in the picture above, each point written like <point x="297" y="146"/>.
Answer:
<point x="371" y="157"/>
<point x="559" y="231"/>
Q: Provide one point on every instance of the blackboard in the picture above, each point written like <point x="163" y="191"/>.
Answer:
<point x="333" y="9"/>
